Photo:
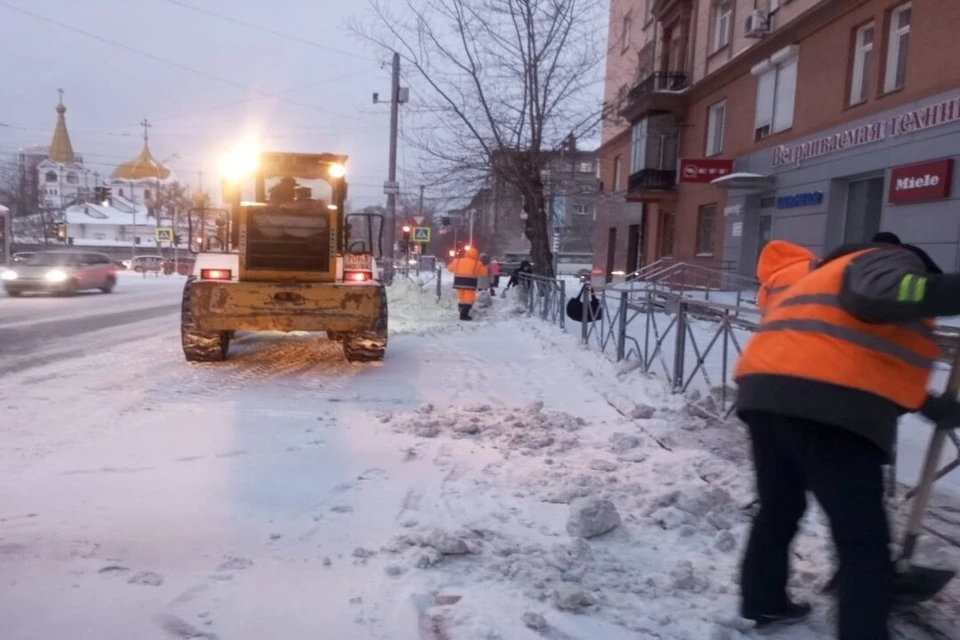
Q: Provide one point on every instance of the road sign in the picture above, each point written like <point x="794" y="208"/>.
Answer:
<point x="421" y="234"/>
<point x="391" y="188"/>
<point x="164" y="234"/>
<point x="418" y="220"/>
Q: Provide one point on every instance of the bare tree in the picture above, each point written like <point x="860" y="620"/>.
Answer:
<point x="504" y="82"/>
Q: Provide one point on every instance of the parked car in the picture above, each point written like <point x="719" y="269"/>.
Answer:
<point x="22" y="256"/>
<point x="146" y="263"/>
<point x="62" y="272"/>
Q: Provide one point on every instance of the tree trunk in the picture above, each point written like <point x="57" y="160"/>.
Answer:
<point x="536" y="226"/>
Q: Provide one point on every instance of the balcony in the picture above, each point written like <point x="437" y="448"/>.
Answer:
<point x="660" y="92"/>
<point x="651" y="184"/>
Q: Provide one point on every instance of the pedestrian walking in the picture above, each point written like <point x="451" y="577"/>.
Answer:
<point x="495" y="270"/>
<point x="467" y="272"/>
<point x="839" y="356"/>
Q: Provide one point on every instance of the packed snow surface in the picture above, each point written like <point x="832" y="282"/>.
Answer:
<point x="492" y="479"/>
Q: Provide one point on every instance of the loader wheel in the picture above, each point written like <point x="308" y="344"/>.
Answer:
<point x="368" y="346"/>
<point x="200" y="346"/>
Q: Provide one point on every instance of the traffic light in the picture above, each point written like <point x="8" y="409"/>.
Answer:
<point x="406" y="233"/>
<point x="61" y="231"/>
<point x="176" y="238"/>
<point x="445" y="221"/>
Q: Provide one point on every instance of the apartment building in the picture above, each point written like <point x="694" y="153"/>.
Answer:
<point x="814" y="121"/>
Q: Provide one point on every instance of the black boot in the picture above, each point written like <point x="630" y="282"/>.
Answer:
<point x="464" y="310"/>
<point x="793" y="613"/>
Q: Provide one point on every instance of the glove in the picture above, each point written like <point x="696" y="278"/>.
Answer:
<point x="942" y="410"/>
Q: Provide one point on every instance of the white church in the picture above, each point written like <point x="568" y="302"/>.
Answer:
<point x="125" y="220"/>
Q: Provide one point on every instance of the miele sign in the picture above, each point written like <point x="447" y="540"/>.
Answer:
<point x="921" y="182"/>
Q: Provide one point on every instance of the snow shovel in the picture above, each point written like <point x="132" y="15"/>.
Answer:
<point x="914" y="584"/>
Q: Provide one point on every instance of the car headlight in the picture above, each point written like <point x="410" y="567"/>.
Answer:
<point x="56" y="275"/>
<point x="8" y="274"/>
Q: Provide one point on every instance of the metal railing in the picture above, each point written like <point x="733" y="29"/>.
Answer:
<point x="423" y="277"/>
<point x="545" y="297"/>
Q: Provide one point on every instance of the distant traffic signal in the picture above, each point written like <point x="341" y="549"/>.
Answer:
<point x="406" y="233"/>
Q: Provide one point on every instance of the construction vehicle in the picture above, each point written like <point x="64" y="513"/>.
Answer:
<point x="285" y="261"/>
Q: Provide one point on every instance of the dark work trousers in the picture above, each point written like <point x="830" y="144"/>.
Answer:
<point x="844" y="472"/>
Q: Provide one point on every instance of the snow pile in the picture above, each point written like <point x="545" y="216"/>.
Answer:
<point x="413" y="306"/>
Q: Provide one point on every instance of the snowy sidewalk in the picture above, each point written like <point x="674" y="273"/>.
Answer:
<point x="288" y="494"/>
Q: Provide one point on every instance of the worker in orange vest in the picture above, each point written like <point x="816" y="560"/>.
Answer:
<point x="780" y="265"/>
<point x="467" y="272"/>
<point x="837" y="359"/>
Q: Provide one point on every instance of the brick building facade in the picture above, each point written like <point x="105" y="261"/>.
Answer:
<point x="824" y="107"/>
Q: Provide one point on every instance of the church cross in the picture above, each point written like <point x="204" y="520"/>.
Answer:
<point x="146" y="130"/>
<point x="60" y="91"/>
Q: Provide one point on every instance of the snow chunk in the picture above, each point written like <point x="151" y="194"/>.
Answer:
<point x="592" y="517"/>
<point x="148" y="578"/>
<point x="603" y="465"/>
<point x="573" y="599"/>
<point x="446" y="544"/>
<point x="534" y="621"/>
<point x="642" y="412"/>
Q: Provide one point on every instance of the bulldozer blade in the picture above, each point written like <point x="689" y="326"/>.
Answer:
<point x="913" y="585"/>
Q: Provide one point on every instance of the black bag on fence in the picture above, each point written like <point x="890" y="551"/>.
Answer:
<point x="575" y="308"/>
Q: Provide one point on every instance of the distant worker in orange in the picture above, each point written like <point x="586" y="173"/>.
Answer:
<point x="781" y="264"/>
<point x="467" y="272"/>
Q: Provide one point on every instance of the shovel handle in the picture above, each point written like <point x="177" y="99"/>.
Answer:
<point x="928" y="473"/>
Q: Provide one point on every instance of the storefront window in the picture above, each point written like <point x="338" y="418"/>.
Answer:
<point x="776" y="94"/>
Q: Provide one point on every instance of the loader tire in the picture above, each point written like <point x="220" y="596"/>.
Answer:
<point x="200" y="346"/>
<point x="368" y="346"/>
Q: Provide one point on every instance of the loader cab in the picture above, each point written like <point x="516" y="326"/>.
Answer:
<point x="287" y="219"/>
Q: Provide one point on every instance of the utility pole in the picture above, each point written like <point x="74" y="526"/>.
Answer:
<point x="421" y="199"/>
<point x="392" y="176"/>
<point x="471" y="226"/>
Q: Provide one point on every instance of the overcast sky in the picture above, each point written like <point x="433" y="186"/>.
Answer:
<point x="202" y="85"/>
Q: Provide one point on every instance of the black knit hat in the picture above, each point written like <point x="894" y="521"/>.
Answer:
<point x="886" y="237"/>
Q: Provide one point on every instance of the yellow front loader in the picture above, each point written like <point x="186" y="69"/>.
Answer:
<point x="285" y="261"/>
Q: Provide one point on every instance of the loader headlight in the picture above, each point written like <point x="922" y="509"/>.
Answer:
<point x="56" y="275"/>
<point x="8" y="274"/>
<point x="240" y="163"/>
<point x="337" y="171"/>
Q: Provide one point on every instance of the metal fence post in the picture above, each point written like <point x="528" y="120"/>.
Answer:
<point x="561" y="311"/>
<point x="586" y="316"/>
<point x="681" y="346"/>
<point x="439" y="283"/>
<point x="622" y="328"/>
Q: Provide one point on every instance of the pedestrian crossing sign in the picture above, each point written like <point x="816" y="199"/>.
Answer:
<point x="421" y="234"/>
<point x="164" y="234"/>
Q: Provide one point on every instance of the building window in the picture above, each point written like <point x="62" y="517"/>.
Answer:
<point x="715" y="118"/>
<point x="617" y="168"/>
<point x="776" y="94"/>
<point x="706" y="229"/>
<point x="99" y="236"/>
<point x="586" y="167"/>
<point x="583" y="209"/>
<point x="72" y="178"/>
<point x="51" y="176"/>
<point x="862" y="64"/>
<point x="638" y="158"/>
<point x="897" y="47"/>
<point x="121" y="193"/>
<point x="146" y="193"/>
<point x="722" y="18"/>
<point x="625" y="35"/>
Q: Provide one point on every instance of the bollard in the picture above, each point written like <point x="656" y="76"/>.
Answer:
<point x="622" y="328"/>
<point x="680" y="347"/>
<point x="562" y="304"/>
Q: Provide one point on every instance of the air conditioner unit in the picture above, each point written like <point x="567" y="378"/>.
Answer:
<point x="757" y="25"/>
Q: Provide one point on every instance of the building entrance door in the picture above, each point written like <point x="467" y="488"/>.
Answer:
<point x="611" y="253"/>
<point x="864" y="207"/>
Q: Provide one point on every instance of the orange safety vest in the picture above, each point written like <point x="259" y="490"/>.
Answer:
<point x="770" y="291"/>
<point x="806" y="334"/>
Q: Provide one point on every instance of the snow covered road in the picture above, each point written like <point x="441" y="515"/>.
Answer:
<point x="288" y="494"/>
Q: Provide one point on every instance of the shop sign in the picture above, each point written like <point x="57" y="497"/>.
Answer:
<point x="703" y="170"/>
<point x="910" y="122"/>
<point x="921" y="182"/>
<point x="733" y="210"/>
<point x="737" y="229"/>
<point x="808" y="199"/>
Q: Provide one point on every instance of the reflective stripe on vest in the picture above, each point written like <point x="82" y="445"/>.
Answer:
<point x="776" y="289"/>
<point x="466" y="282"/>
<point x="807" y="334"/>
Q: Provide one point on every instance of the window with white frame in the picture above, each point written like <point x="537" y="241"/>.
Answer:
<point x="776" y="95"/>
<point x="586" y="167"/>
<point x="722" y="18"/>
<point x="715" y="120"/>
<point x="617" y="168"/>
<point x="51" y="176"/>
<point x="862" y="64"/>
<point x="638" y="160"/>
<point x="625" y="35"/>
<point x="583" y="209"/>
<point x="898" y="46"/>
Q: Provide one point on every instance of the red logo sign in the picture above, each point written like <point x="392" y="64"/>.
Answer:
<point x="704" y="171"/>
<point x="921" y="182"/>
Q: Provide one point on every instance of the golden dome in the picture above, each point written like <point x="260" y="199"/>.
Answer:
<point x="143" y="167"/>
<point x="61" y="151"/>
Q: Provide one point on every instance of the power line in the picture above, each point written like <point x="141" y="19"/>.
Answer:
<point x="179" y="65"/>
<point x="257" y="27"/>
